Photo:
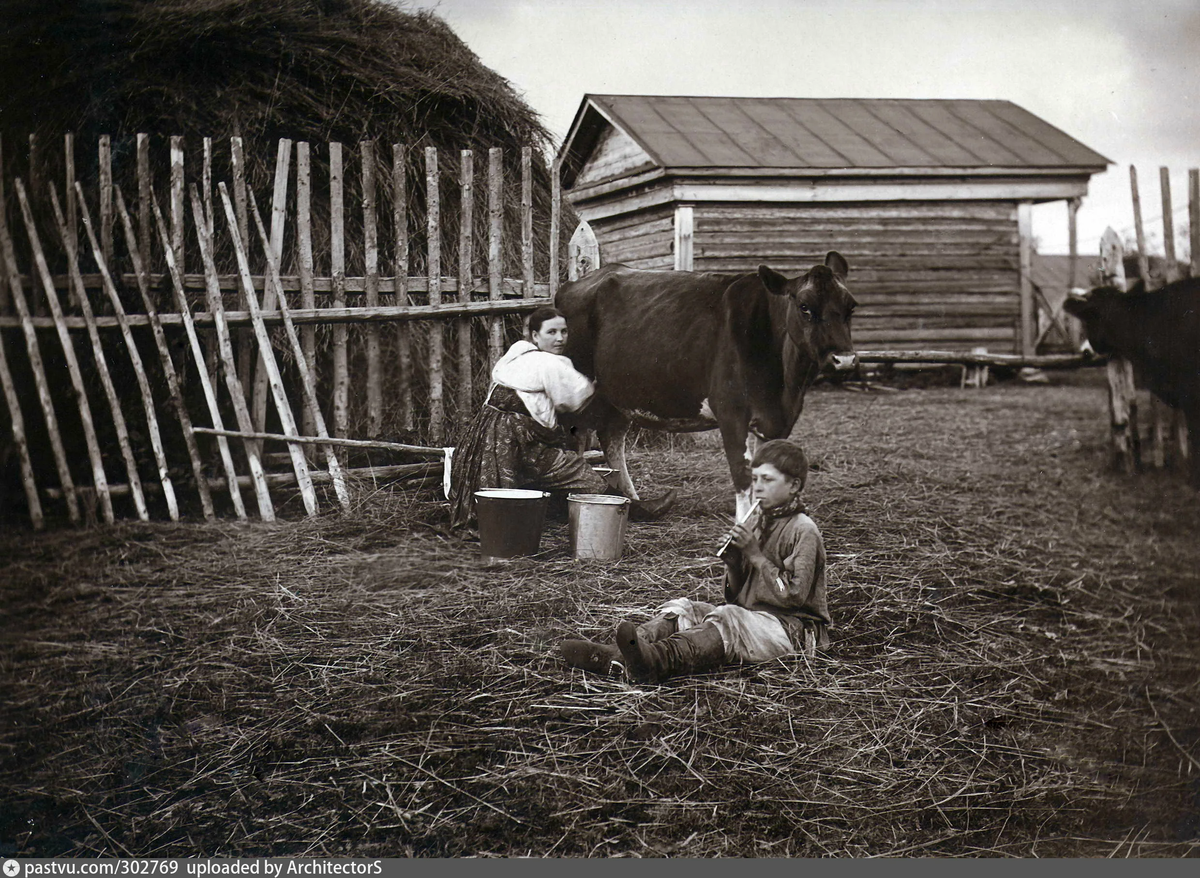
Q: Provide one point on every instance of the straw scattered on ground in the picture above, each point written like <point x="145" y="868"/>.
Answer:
<point x="1013" y="670"/>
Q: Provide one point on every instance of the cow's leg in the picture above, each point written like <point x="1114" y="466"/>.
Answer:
<point x="740" y="445"/>
<point x="1193" y="445"/>
<point x="612" y="435"/>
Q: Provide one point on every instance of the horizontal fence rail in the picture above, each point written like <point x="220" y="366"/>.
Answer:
<point x="158" y="350"/>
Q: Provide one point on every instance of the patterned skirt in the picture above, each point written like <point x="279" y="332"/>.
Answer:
<point x="503" y="447"/>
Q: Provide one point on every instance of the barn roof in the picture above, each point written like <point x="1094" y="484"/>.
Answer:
<point x="855" y="135"/>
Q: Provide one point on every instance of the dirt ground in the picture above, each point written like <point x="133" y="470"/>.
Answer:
<point x="1014" y="669"/>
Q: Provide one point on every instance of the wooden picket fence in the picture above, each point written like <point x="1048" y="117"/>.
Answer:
<point x="251" y="332"/>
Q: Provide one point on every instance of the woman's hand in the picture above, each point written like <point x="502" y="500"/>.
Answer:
<point x="744" y="538"/>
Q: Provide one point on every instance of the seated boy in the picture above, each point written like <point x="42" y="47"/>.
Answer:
<point x="775" y="599"/>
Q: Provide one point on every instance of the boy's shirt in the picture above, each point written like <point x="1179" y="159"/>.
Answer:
<point x="795" y="558"/>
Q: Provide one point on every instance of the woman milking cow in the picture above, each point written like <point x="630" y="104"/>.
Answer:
<point x="516" y="440"/>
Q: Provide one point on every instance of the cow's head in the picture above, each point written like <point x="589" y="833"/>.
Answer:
<point x="819" y="309"/>
<point x="1100" y="311"/>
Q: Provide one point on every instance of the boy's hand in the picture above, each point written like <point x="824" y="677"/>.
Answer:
<point x="745" y="540"/>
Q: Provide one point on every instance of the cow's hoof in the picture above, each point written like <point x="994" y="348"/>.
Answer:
<point x="651" y="510"/>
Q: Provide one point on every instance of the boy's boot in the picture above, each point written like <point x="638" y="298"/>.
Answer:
<point x="600" y="658"/>
<point x="685" y="652"/>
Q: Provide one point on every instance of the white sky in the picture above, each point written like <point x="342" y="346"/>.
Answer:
<point x="1121" y="76"/>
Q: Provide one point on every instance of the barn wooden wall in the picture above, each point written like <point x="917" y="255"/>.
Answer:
<point x="645" y="239"/>
<point x="942" y="275"/>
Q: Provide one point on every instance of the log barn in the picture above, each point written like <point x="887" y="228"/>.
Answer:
<point x="929" y="200"/>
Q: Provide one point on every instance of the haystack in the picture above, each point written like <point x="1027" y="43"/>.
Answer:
<point x="346" y="71"/>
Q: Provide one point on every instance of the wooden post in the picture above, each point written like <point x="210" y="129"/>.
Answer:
<point x="337" y="265"/>
<point x="110" y="392"/>
<point x="308" y="299"/>
<point x="684" y="226"/>
<point x="1028" y="315"/>
<point x="71" y="239"/>
<point x="36" y="366"/>
<point x="106" y="199"/>
<point x="206" y="182"/>
<point x="283" y="159"/>
<point x="1071" y="324"/>
<point x="144" y="180"/>
<point x="245" y="337"/>
<point x="212" y="285"/>
<point x="168" y="366"/>
<point x="1172" y="271"/>
<point x="4" y="211"/>
<point x="35" y="303"/>
<point x="17" y="422"/>
<point x="1122" y="399"/>
<point x="1194" y="219"/>
<point x="555" y="224"/>
<point x="583" y="252"/>
<point x="1142" y="257"/>
<point x="211" y="361"/>
<point x="526" y="222"/>
<point x="210" y="396"/>
<point x="495" y="249"/>
<point x="403" y="331"/>
<point x="371" y="290"/>
<point x="466" y="255"/>
<point x="433" y="224"/>
<point x="177" y="211"/>
<point x="135" y="357"/>
<point x="284" y="409"/>
<point x="307" y="382"/>
<point x="99" y="479"/>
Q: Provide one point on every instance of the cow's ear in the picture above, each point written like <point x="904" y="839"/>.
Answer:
<point x="837" y="263"/>
<point x="1077" y="305"/>
<point x="775" y="282"/>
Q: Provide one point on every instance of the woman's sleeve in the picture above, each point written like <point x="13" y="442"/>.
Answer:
<point x="568" y="388"/>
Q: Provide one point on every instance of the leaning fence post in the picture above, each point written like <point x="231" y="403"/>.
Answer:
<point x="38" y="369"/>
<point x="19" y="439"/>
<point x="110" y="391"/>
<point x="1122" y="401"/>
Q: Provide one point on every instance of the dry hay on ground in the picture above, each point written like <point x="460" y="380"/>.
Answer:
<point x="1013" y="672"/>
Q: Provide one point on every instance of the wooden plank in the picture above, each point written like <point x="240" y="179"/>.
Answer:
<point x="555" y="223"/>
<point x="4" y="305"/>
<point x="283" y="159"/>
<point x="433" y="225"/>
<point x="98" y="356"/>
<point x="211" y="361"/>
<point x="307" y="381"/>
<point x="683" y="244"/>
<point x="17" y="423"/>
<point x="1143" y="258"/>
<point x="304" y="244"/>
<point x="135" y="357"/>
<point x="466" y="257"/>
<point x="403" y="332"/>
<point x="176" y="200"/>
<point x="316" y="316"/>
<point x="106" y="199"/>
<point x="283" y="407"/>
<point x="38" y="370"/>
<point x="174" y="387"/>
<point x="337" y="263"/>
<point x="145" y="181"/>
<point x="235" y="387"/>
<point x="245" y="338"/>
<point x="527" y="219"/>
<point x="328" y="440"/>
<point x="35" y="302"/>
<point x="972" y="358"/>
<point x="371" y="273"/>
<point x="583" y="252"/>
<point x="1122" y="399"/>
<point x="206" y="182"/>
<point x="495" y="248"/>
<point x="206" y="384"/>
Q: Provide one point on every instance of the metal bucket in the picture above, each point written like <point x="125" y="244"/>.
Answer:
<point x="510" y="522"/>
<point x="596" y="523"/>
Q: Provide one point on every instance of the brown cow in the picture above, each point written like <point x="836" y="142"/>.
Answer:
<point x="687" y="351"/>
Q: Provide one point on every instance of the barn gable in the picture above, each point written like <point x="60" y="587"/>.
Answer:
<point x="928" y="199"/>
